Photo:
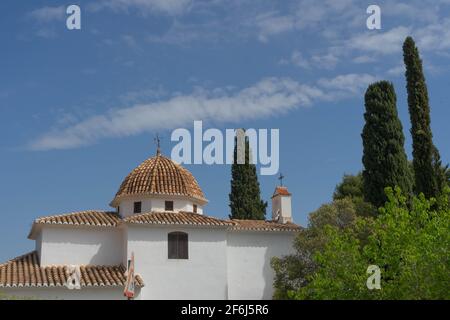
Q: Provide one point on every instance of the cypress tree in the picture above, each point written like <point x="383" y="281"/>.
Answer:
<point x="429" y="178"/>
<point x="245" y="196"/>
<point x="384" y="158"/>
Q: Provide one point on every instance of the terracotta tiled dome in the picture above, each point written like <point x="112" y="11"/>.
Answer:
<point x="160" y="176"/>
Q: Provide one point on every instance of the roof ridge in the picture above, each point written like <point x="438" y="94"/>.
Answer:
<point x="182" y="177"/>
<point x="151" y="174"/>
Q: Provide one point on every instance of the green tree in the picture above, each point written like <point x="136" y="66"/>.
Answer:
<point x="428" y="176"/>
<point x="409" y="243"/>
<point x="351" y="187"/>
<point x="384" y="158"/>
<point x="447" y="175"/>
<point x="245" y="196"/>
<point x="292" y="271"/>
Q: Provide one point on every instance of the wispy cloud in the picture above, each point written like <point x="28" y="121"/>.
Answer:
<point x="48" y="14"/>
<point x="170" y="7"/>
<point x="297" y="59"/>
<point x="317" y="61"/>
<point x="268" y="97"/>
<point x="349" y="83"/>
<point x="387" y="42"/>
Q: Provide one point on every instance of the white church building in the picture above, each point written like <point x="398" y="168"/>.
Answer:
<point x="179" y="251"/>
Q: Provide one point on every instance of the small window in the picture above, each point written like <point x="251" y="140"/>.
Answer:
<point x="194" y="207"/>
<point x="178" y="245"/>
<point x="137" y="207"/>
<point x="118" y="209"/>
<point x="168" y="205"/>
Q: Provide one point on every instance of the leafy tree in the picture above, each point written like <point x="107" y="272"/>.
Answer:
<point x="384" y="157"/>
<point x="352" y="187"/>
<point x="292" y="271"/>
<point x="409" y="245"/>
<point x="447" y="175"/>
<point x="245" y="196"/>
<point x="428" y="175"/>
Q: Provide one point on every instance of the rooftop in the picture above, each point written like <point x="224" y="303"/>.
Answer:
<point x="159" y="175"/>
<point x="25" y="271"/>
<point x="112" y="219"/>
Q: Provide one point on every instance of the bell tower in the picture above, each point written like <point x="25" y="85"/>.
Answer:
<point x="281" y="203"/>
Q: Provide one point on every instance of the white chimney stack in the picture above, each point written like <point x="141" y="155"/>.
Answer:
<point x="281" y="205"/>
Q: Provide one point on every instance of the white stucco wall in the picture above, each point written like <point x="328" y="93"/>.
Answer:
<point x="157" y="204"/>
<point x="38" y="244"/>
<point x="81" y="245"/>
<point x="282" y="203"/>
<point x="250" y="275"/>
<point x="97" y="293"/>
<point x="202" y="276"/>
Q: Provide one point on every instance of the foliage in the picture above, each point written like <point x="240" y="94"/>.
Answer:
<point x="447" y="175"/>
<point x="428" y="176"/>
<point x="410" y="246"/>
<point x="245" y="196"/>
<point x="292" y="271"/>
<point x="384" y="157"/>
<point x="351" y="187"/>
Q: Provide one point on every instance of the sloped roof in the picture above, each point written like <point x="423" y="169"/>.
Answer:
<point x="181" y="218"/>
<point x="112" y="219"/>
<point x="25" y="271"/>
<point x="281" y="191"/>
<point x="87" y="218"/>
<point x="263" y="225"/>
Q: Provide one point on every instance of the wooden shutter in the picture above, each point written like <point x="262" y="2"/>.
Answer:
<point x="178" y="245"/>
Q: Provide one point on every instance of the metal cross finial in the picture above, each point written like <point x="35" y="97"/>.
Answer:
<point x="281" y="177"/>
<point x="158" y="144"/>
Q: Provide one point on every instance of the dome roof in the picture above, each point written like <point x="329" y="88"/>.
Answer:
<point x="160" y="176"/>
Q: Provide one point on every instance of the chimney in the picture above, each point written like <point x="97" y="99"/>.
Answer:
<point x="281" y="205"/>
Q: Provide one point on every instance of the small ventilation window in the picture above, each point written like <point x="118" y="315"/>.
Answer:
<point x="168" y="206"/>
<point x="177" y="245"/>
<point x="137" y="207"/>
<point x="194" y="208"/>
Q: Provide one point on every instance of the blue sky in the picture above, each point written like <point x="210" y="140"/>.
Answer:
<point x="79" y="109"/>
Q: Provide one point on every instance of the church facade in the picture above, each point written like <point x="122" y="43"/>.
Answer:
<point x="179" y="252"/>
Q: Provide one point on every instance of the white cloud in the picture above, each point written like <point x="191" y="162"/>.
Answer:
<point x="434" y="36"/>
<point x="47" y="33"/>
<point x="183" y="34"/>
<point x="271" y="23"/>
<point x="297" y="59"/>
<point x="318" y="61"/>
<point x="326" y="61"/>
<point x="268" y="97"/>
<point x="364" y="59"/>
<point x="380" y="42"/>
<point x="349" y="83"/>
<point x="48" y="14"/>
<point x="170" y="7"/>
<point x="396" y="71"/>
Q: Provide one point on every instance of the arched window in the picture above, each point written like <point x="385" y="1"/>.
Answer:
<point x="178" y="245"/>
